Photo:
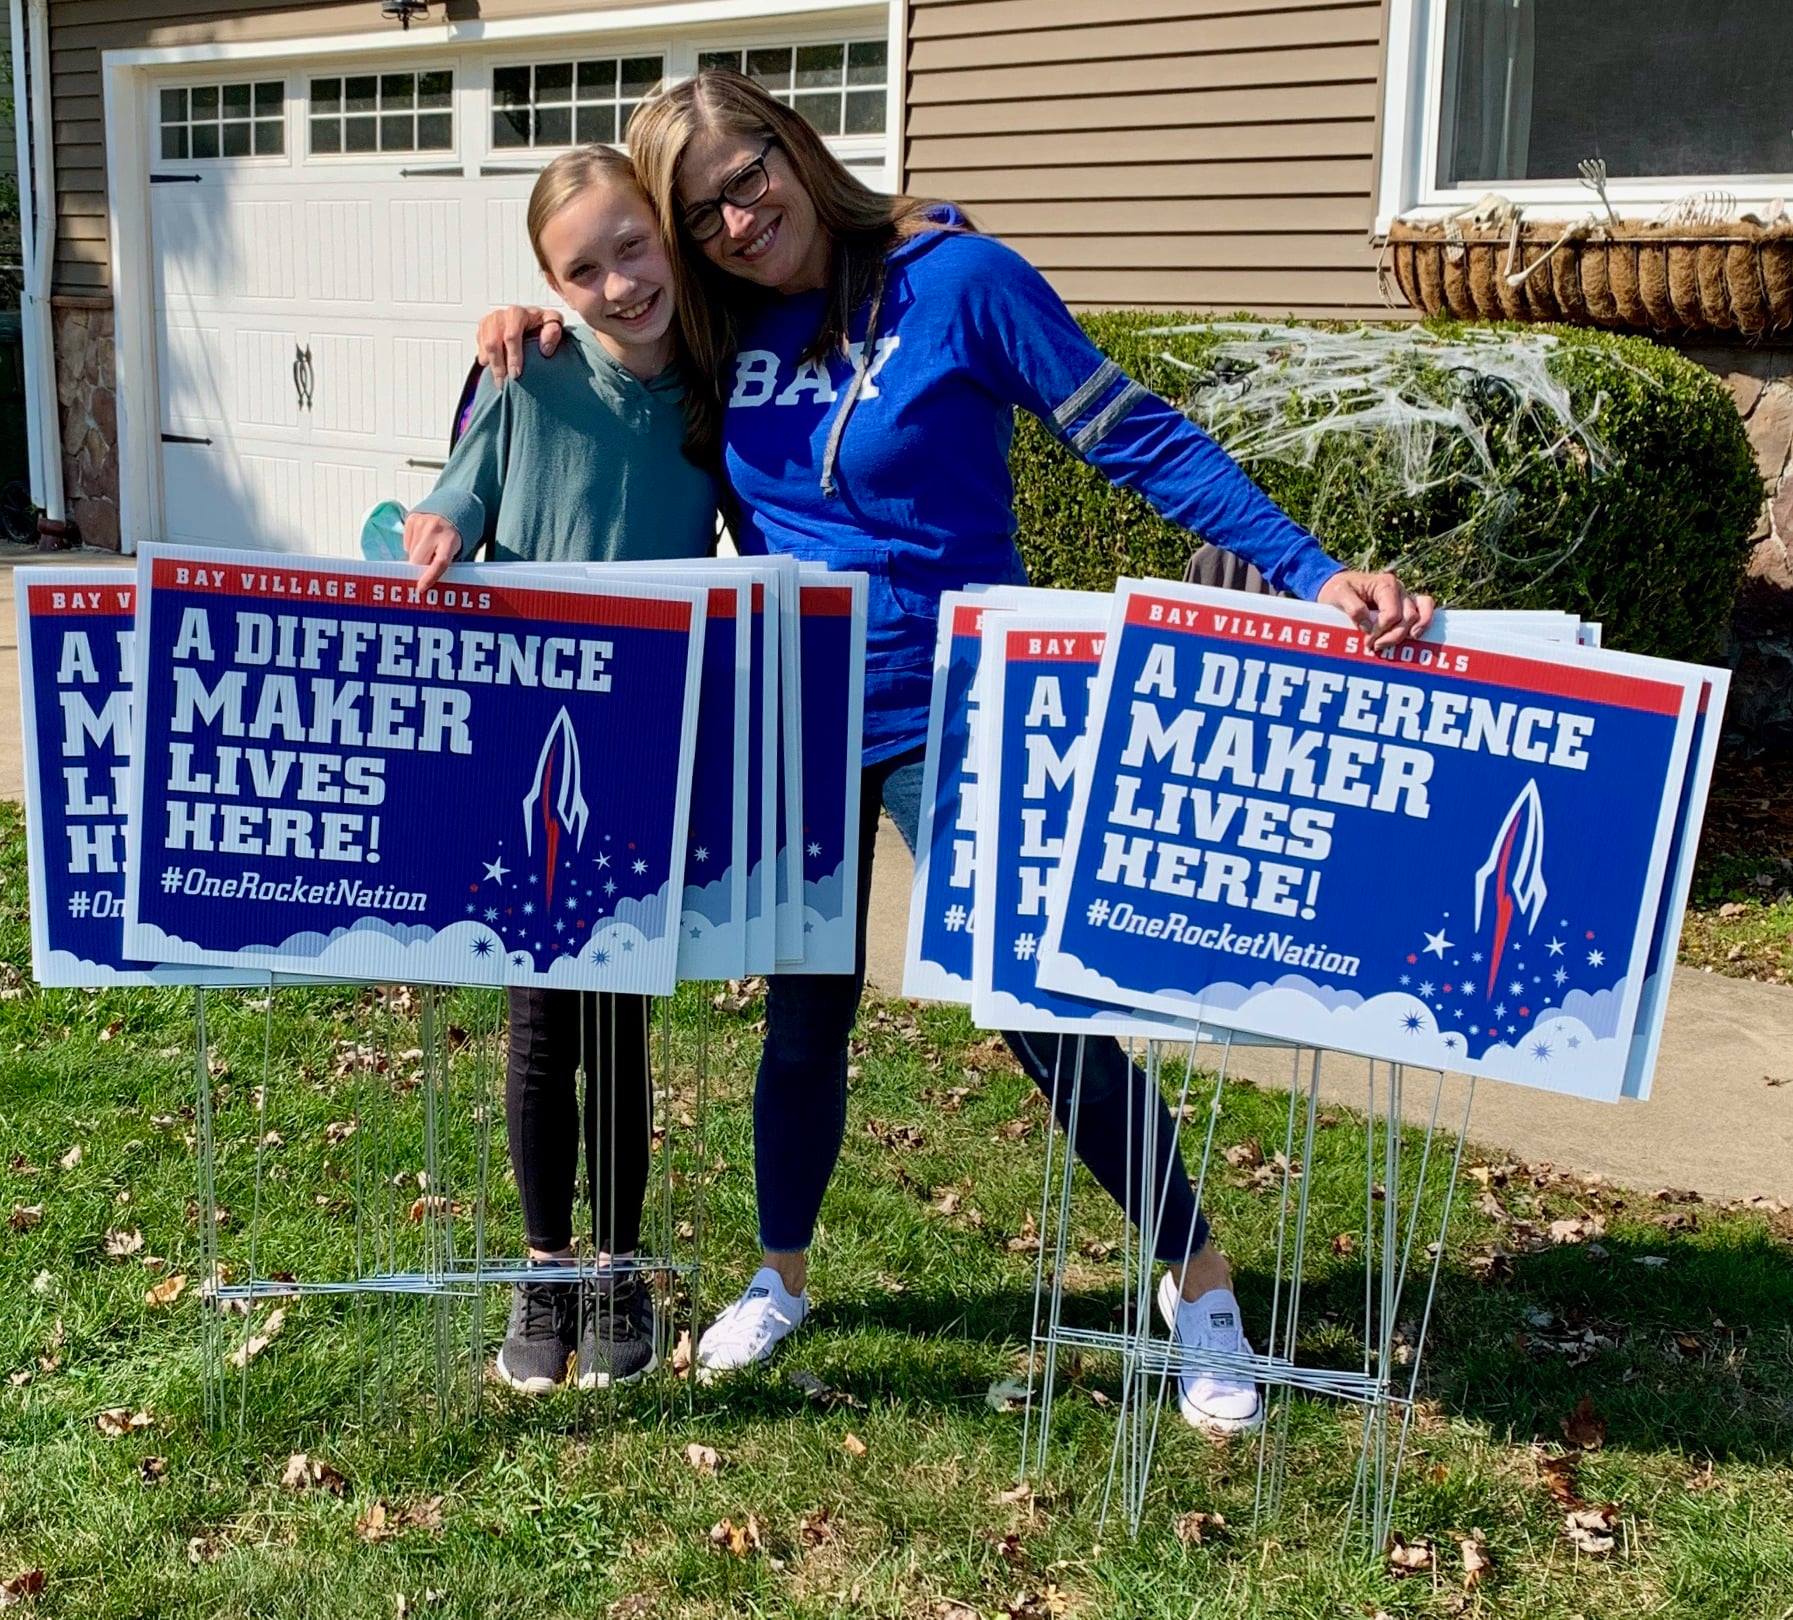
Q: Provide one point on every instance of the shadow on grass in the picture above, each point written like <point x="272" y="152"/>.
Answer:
<point x="1681" y="1343"/>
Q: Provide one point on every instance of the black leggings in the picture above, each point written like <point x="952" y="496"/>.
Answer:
<point x="554" y="1034"/>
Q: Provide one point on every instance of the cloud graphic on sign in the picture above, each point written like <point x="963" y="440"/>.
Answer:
<point x="822" y="896"/>
<point x="713" y="901"/>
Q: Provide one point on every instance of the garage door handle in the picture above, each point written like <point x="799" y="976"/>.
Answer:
<point x="419" y="461"/>
<point x="182" y="438"/>
<point x="431" y="174"/>
<point x="174" y="179"/>
<point x="486" y="169"/>
<point x="302" y="376"/>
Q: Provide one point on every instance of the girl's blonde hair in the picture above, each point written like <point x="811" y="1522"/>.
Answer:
<point x="569" y="174"/>
<point x="862" y="224"/>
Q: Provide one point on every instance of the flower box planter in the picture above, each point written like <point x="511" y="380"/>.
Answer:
<point x="1704" y="279"/>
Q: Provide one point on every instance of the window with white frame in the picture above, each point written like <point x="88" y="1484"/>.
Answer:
<point x="382" y="112"/>
<point x="223" y="120"/>
<point x="840" y="87"/>
<point x="1516" y="95"/>
<point x="559" y="103"/>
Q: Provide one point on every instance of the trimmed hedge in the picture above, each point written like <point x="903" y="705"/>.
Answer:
<point x="1640" y="517"/>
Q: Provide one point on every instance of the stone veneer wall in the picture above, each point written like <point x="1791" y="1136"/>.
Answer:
<point x="1761" y="703"/>
<point x="85" y="395"/>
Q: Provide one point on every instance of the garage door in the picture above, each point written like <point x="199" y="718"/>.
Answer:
<point x="324" y="243"/>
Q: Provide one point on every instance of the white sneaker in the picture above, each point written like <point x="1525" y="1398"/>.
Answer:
<point x="751" y="1328"/>
<point x="1219" y="1402"/>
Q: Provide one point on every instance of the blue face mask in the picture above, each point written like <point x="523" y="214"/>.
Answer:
<point x="383" y="532"/>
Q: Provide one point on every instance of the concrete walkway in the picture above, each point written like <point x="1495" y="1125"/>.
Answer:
<point x="1713" y="1123"/>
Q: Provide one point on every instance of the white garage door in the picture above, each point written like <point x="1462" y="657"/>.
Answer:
<point x="325" y="242"/>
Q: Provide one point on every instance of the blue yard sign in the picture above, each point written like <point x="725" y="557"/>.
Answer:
<point x="1452" y="858"/>
<point x="75" y="640"/>
<point x="485" y="783"/>
<point x="832" y="647"/>
<point x="1035" y="678"/>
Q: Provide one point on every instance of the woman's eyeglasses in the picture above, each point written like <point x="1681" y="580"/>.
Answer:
<point x="745" y="187"/>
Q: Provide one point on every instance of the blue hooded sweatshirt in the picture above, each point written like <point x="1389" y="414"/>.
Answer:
<point x="907" y="476"/>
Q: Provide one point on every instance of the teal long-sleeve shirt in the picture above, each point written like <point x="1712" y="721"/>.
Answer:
<point x="576" y="460"/>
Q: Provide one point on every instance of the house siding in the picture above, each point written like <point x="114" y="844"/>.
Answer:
<point x="1187" y="154"/>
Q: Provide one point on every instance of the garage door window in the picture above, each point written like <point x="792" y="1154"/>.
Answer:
<point x="383" y="112"/>
<point x="840" y="88"/>
<point x="558" y="103"/>
<point x="224" y="120"/>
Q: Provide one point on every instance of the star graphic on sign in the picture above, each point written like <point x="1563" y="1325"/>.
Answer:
<point x="700" y="854"/>
<point x="1574" y="1042"/>
<point x="482" y="947"/>
<point x="1406" y="978"/>
<point x="695" y="934"/>
<point x="1450" y="1043"/>
<point x="603" y="861"/>
<point x="1413" y="1023"/>
<point x="560" y="925"/>
<point x="814" y="850"/>
<point x="1541" y="1050"/>
<point x="628" y="944"/>
<point x="1515" y="988"/>
<point x="1596" y="958"/>
<point x="572" y="903"/>
<point x="638" y="868"/>
<point x="1555" y="947"/>
<point x="1437" y="944"/>
<point x="1425" y="989"/>
<point x="609" y="885"/>
<point x="528" y="908"/>
<point x="1561" y="976"/>
<point x="495" y="870"/>
<point x="491" y="914"/>
<point x="600" y="957"/>
<point x="1475" y="956"/>
<point x="1501" y="1010"/>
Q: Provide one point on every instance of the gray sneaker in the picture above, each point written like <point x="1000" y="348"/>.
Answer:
<point x="616" y="1331"/>
<point x="542" y="1337"/>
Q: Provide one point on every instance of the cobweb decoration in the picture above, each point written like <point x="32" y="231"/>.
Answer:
<point x="1421" y="444"/>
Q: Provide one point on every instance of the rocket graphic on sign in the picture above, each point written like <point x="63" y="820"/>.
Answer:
<point x="1512" y="878"/>
<point x="555" y="799"/>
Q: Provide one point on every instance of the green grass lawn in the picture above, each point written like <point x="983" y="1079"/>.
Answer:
<point x="879" y="1482"/>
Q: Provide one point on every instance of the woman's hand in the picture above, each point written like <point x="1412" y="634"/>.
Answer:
<point x="1374" y="602"/>
<point x="501" y="334"/>
<point x="432" y="543"/>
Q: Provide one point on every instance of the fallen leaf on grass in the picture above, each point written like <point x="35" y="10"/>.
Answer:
<point x="1705" y="1480"/>
<point x="1344" y="1243"/>
<point x="1584" y="1428"/>
<point x="306" y="1473"/>
<point x="815" y="1527"/>
<point x="166" y="1292"/>
<point x="151" y="1470"/>
<point x="25" y="1216"/>
<point x="1591" y="1529"/>
<point x="816" y="1390"/>
<point x="1245" y="1155"/>
<point x="382" y="1522"/>
<point x="1476" y="1562"/>
<point x="705" y="1459"/>
<point x="1009" y="1549"/>
<point x="1027" y="1240"/>
<point x="339" y="1131"/>
<point x="1046" y="1605"/>
<point x="853" y="1446"/>
<point x="952" y="1609"/>
<point x="70" y="1159"/>
<point x="1408" y="1558"/>
<point x="253" y="1346"/>
<point x="1576" y="1229"/>
<point x="26" y="1584"/>
<point x="433" y="1204"/>
<point x="947" y="1203"/>
<point x="119" y="1244"/>
<point x="1196" y="1527"/>
<point x="43" y="1282"/>
<point x="1560" y="1477"/>
<point x="203" y="1550"/>
<point x="632" y="1606"/>
<point x="120" y="1420"/>
<point x="19" y="1379"/>
<point x="737" y="1540"/>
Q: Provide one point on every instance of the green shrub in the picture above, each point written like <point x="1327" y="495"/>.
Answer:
<point x="1492" y="466"/>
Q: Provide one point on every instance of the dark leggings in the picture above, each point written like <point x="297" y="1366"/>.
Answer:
<point x="554" y="1034"/>
<point x="800" y="1100"/>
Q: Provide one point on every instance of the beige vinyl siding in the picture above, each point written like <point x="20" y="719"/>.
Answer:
<point x="1191" y="154"/>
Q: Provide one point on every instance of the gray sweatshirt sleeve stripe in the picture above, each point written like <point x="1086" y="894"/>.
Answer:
<point x="1100" y="426"/>
<point x="1092" y="389"/>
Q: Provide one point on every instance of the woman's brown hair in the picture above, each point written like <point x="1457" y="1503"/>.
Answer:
<point x="862" y="224"/>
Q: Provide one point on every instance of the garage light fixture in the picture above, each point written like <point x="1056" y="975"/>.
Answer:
<point x="404" y="10"/>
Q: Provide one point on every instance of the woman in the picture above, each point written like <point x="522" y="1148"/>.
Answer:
<point x="583" y="462"/>
<point x="864" y="355"/>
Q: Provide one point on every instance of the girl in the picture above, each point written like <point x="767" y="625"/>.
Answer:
<point x="581" y="462"/>
<point x="857" y="359"/>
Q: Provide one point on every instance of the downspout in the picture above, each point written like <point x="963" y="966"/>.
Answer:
<point x="37" y="243"/>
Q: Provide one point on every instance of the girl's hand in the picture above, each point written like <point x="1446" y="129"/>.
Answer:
<point x="501" y="334"/>
<point x="432" y="543"/>
<point x="1377" y="602"/>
